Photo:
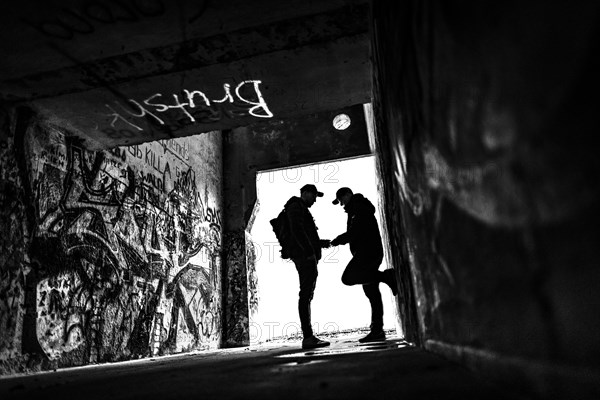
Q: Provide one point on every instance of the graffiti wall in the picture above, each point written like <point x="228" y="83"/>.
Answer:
<point x="13" y="229"/>
<point x="123" y="258"/>
<point x="236" y="321"/>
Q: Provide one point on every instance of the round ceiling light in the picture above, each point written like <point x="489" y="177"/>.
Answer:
<point x="341" y="122"/>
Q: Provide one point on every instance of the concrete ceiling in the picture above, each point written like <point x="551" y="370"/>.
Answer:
<point x="121" y="72"/>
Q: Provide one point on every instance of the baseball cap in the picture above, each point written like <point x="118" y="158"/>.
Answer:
<point x="311" y="188"/>
<point x="341" y="191"/>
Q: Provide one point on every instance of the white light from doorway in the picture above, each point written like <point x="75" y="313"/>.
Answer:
<point x="335" y="306"/>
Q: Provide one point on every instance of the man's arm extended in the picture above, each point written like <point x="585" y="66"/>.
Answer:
<point x="354" y="229"/>
<point x="341" y="239"/>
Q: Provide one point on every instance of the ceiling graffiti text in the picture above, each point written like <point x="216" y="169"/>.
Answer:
<point x="194" y="106"/>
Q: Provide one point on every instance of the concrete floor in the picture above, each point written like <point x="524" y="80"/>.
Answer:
<point x="345" y="370"/>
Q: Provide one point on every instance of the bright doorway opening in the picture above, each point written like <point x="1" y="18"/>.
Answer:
<point x="335" y="307"/>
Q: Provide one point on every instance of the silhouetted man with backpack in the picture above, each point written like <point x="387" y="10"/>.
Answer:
<point x="303" y="245"/>
<point x="363" y="235"/>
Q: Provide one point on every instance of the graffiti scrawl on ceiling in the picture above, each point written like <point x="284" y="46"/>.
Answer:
<point x="191" y="100"/>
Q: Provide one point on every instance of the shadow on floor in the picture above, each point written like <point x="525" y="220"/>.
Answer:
<point x="346" y="370"/>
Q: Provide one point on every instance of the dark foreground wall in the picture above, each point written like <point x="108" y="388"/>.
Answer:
<point x="486" y="112"/>
<point x="108" y="255"/>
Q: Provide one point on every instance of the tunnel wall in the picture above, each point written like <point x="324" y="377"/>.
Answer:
<point x="108" y="255"/>
<point x="485" y="114"/>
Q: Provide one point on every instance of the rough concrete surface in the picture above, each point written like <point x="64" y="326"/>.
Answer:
<point x="346" y="370"/>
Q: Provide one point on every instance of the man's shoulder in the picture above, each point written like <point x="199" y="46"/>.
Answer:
<point x="365" y="201"/>
<point x="361" y="204"/>
<point x="294" y="202"/>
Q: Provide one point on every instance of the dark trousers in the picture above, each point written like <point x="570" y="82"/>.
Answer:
<point x="307" y="273"/>
<point x="365" y="271"/>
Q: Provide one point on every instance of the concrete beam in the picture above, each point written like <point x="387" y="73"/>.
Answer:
<point x="80" y="74"/>
<point x="87" y="30"/>
<point x="286" y="83"/>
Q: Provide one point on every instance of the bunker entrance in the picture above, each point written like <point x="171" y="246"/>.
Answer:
<point x="273" y="290"/>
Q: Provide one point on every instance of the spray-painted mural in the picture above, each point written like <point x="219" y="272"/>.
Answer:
<point x="124" y="260"/>
<point x="13" y="229"/>
<point x="236" y="320"/>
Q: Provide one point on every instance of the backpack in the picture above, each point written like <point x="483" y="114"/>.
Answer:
<point x="281" y="227"/>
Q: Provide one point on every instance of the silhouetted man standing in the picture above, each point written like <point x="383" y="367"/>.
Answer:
<point x="305" y="251"/>
<point x="367" y="254"/>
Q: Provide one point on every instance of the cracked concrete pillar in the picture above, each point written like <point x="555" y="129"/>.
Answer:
<point x="239" y="201"/>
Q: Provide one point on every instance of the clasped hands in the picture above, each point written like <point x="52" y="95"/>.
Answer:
<point x="325" y="243"/>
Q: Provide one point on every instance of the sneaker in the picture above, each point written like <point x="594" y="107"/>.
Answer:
<point x="313" y="342"/>
<point x="377" y="336"/>
<point x="390" y="280"/>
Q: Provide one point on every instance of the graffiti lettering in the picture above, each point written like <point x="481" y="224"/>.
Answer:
<point x="257" y="106"/>
<point x="177" y="149"/>
<point x="251" y="102"/>
<point x="190" y="97"/>
<point x="116" y="116"/>
<point x="127" y="256"/>
<point x="118" y="153"/>
<point x="186" y="182"/>
<point x="54" y="155"/>
<point x="134" y="151"/>
<point x="153" y="181"/>
<point x="143" y="111"/>
<point x="213" y="216"/>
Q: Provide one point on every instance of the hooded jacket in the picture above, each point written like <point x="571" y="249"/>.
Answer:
<point x="305" y="240"/>
<point x="362" y="231"/>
